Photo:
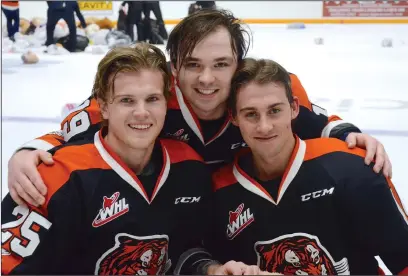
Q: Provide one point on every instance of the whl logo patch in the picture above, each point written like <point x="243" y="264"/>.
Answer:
<point x="179" y="135"/>
<point x="112" y="208"/>
<point x="238" y="221"/>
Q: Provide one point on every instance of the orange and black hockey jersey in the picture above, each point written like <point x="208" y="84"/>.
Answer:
<point x="216" y="141"/>
<point x="328" y="214"/>
<point x="100" y="218"/>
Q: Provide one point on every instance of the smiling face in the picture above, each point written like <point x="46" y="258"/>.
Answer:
<point x="204" y="49"/>
<point x="205" y="76"/>
<point x="136" y="109"/>
<point x="264" y="116"/>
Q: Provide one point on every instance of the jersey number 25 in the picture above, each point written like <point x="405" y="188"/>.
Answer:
<point x="26" y="227"/>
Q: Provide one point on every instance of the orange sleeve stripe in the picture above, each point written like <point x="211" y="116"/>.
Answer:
<point x="43" y="143"/>
<point x="334" y="118"/>
<point x="66" y="161"/>
<point x="300" y="92"/>
<point x="94" y="112"/>
<point x="398" y="200"/>
<point x="53" y="139"/>
<point x="321" y="146"/>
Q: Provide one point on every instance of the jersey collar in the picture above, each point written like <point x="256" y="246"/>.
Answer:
<point x="193" y="122"/>
<point x="249" y="183"/>
<point x="114" y="161"/>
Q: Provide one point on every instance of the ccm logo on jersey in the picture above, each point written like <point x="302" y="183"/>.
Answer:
<point x="187" y="199"/>
<point x="317" y="194"/>
<point x="112" y="208"/>
<point x="238" y="221"/>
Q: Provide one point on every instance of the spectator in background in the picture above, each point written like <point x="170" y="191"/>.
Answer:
<point x="12" y="12"/>
<point x="121" y="24"/>
<point x="154" y="6"/>
<point x="199" y="5"/>
<point x="61" y="10"/>
<point x="76" y="9"/>
<point x="134" y="17"/>
<point x="206" y="4"/>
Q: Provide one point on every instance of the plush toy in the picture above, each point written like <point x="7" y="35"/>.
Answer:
<point x="91" y="29"/>
<point x="29" y="58"/>
<point x="91" y="20"/>
<point x="24" y="25"/>
<point x="105" y="23"/>
<point x="38" y="21"/>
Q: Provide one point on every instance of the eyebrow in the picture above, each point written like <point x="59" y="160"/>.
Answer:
<point x="249" y="108"/>
<point x="132" y="96"/>
<point x="226" y="58"/>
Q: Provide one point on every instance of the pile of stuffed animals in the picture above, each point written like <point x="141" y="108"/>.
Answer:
<point x="32" y="35"/>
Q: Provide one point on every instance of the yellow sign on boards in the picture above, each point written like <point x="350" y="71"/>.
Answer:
<point x="95" y="5"/>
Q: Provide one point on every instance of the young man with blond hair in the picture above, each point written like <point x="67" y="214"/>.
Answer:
<point x="111" y="206"/>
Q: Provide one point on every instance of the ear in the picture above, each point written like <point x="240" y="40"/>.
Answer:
<point x="104" y="109"/>
<point x="295" y="107"/>
<point x="173" y="70"/>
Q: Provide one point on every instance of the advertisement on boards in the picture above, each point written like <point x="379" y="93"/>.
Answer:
<point x="365" y="9"/>
<point x="96" y="8"/>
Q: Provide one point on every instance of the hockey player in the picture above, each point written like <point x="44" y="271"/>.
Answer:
<point x="300" y="207"/>
<point x="205" y="49"/>
<point x="115" y="203"/>
<point x="65" y="10"/>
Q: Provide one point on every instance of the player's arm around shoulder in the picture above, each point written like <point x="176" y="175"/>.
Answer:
<point x="374" y="211"/>
<point x="24" y="182"/>
<point x="313" y="122"/>
<point x="316" y="118"/>
<point x="77" y="120"/>
<point x="33" y="237"/>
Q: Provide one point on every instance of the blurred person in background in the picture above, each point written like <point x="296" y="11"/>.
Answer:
<point x="134" y="17"/>
<point x="206" y="4"/>
<point x="199" y="5"/>
<point x="154" y="6"/>
<point x="75" y="8"/>
<point x="61" y="10"/>
<point x="12" y="12"/>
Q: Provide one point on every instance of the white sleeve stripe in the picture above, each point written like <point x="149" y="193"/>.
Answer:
<point x="38" y="144"/>
<point x="326" y="131"/>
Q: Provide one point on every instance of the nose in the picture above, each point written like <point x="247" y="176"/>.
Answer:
<point x="206" y="77"/>
<point x="264" y="125"/>
<point x="140" y="111"/>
